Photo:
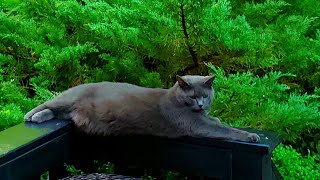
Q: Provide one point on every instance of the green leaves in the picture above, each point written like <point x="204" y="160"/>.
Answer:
<point x="53" y="61"/>
<point x="245" y="100"/>
<point x="261" y="14"/>
<point x="13" y="104"/>
<point x="47" y="46"/>
<point x="263" y="103"/>
<point x="294" y="166"/>
<point x="10" y="115"/>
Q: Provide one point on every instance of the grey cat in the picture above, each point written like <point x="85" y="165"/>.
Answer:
<point x="109" y="108"/>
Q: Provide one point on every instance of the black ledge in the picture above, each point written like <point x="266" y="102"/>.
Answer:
<point x="37" y="148"/>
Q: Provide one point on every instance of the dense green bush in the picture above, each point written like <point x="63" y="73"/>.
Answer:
<point x="243" y="99"/>
<point x="294" y="166"/>
<point x="126" y="39"/>
<point x="13" y="104"/>
<point x="265" y="54"/>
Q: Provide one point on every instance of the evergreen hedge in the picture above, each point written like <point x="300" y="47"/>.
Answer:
<point x="265" y="54"/>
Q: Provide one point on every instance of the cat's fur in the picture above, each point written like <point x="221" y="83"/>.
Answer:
<point x="124" y="109"/>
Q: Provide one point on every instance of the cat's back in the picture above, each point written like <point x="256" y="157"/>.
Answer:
<point x="116" y="89"/>
<point x="109" y="91"/>
<point x="120" y="100"/>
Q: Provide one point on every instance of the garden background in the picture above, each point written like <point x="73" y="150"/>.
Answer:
<point x="265" y="55"/>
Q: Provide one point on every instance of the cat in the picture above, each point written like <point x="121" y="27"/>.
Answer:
<point x="113" y="108"/>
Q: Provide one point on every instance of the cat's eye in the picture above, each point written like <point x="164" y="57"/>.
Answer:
<point x="205" y="96"/>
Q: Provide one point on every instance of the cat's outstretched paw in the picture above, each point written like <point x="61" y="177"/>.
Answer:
<point x="253" y="137"/>
<point x="215" y="119"/>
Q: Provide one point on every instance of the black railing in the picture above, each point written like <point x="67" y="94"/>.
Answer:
<point x="46" y="146"/>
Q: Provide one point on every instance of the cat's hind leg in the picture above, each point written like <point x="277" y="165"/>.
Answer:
<point x="42" y="116"/>
<point x="39" y="108"/>
<point x="58" y="108"/>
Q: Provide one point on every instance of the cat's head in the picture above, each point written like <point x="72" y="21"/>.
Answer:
<point x="195" y="92"/>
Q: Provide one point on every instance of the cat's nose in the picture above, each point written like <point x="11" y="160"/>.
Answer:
<point x="200" y="105"/>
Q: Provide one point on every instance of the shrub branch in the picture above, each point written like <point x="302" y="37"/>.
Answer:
<point x="192" y="52"/>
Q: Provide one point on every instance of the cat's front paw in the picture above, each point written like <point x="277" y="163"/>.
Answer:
<point x="252" y="137"/>
<point x="215" y="120"/>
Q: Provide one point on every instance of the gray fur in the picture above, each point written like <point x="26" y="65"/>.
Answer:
<point x="122" y="109"/>
<point x="43" y="115"/>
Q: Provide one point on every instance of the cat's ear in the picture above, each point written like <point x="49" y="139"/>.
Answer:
<point x="209" y="81"/>
<point x="182" y="83"/>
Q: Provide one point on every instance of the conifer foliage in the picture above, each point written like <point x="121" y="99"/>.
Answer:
<point x="265" y="54"/>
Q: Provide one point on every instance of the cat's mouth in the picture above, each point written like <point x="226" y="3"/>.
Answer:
<point x="197" y="110"/>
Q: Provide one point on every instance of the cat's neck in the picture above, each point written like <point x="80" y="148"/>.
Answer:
<point x="171" y="96"/>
